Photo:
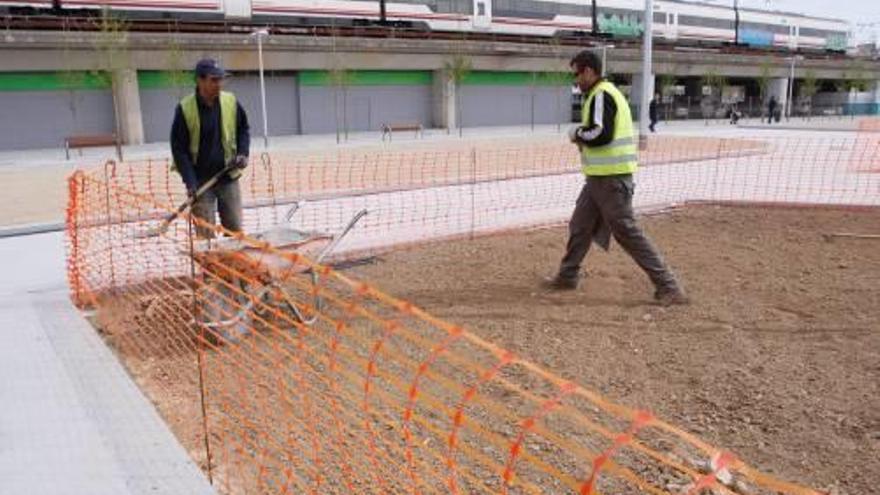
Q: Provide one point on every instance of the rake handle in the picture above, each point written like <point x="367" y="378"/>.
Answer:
<point x="192" y="199"/>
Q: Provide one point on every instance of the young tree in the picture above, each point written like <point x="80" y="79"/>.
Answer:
<point x="809" y="88"/>
<point x="765" y="71"/>
<point x="457" y="69"/>
<point x="111" y="50"/>
<point x="857" y="81"/>
<point x="178" y="75"/>
<point x="340" y="78"/>
<point x="664" y="83"/>
<point x="716" y="83"/>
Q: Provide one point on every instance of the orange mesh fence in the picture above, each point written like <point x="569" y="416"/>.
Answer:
<point x="419" y="195"/>
<point x="282" y="375"/>
<point x="868" y="139"/>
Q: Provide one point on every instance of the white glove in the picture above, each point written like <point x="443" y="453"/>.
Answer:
<point x="572" y="134"/>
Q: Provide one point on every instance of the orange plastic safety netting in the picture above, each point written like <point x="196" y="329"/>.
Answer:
<point x="283" y="375"/>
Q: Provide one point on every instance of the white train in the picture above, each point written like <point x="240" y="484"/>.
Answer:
<point x="674" y="20"/>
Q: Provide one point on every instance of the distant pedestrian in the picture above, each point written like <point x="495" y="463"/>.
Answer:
<point x="735" y="114"/>
<point x="652" y="113"/>
<point x="771" y="108"/>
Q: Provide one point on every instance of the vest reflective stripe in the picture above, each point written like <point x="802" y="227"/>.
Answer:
<point x="612" y="160"/>
<point x="228" y="128"/>
<point x="620" y="156"/>
<point x="622" y="141"/>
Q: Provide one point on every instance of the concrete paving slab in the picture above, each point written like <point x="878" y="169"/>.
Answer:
<point x="71" y="420"/>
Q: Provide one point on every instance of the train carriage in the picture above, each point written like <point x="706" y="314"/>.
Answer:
<point x="674" y="20"/>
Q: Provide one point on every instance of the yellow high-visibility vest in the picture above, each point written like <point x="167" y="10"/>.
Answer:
<point x="620" y="156"/>
<point x="228" y="128"/>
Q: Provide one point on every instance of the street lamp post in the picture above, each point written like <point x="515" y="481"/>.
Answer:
<point x="605" y="58"/>
<point x="260" y="34"/>
<point x="788" y="100"/>
<point x="647" y="69"/>
<point x="736" y="22"/>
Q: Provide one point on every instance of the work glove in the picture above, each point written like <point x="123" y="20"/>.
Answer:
<point x="191" y="190"/>
<point x="572" y="134"/>
<point x="240" y="162"/>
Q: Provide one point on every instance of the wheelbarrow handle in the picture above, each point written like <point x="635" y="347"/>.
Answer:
<point x="338" y="237"/>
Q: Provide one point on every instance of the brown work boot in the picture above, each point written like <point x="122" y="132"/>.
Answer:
<point x="673" y="296"/>
<point x="559" y="282"/>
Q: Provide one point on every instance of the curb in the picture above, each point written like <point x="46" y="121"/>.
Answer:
<point x="30" y="229"/>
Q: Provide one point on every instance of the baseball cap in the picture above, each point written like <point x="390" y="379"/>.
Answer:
<point x="209" y="68"/>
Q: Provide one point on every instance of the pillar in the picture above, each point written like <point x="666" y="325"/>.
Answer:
<point x="635" y="98"/>
<point x="876" y="103"/>
<point x="443" y="94"/>
<point x="127" y="98"/>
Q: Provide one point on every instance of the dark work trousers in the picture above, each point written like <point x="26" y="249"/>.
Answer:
<point x="607" y="202"/>
<point x="225" y="197"/>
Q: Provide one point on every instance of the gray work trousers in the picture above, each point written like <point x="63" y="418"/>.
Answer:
<point x="606" y="203"/>
<point x="224" y="197"/>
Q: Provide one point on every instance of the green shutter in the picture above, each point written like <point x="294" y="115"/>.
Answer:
<point x="366" y="78"/>
<point x="497" y="78"/>
<point x="53" y="81"/>
<point x="155" y="79"/>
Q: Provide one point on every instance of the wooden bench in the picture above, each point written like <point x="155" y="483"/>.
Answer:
<point x="91" y="141"/>
<point x="389" y="129"/>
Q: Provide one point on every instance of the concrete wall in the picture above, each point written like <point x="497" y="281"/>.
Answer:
<point x="363" y="100"/>
<point x="159" y="99"/>
<point x="513" y="105"/>
<point x="42" y="119"/>
<point x="364" y="108"/>
<point x="157" y="107"/>
<point x="513" y="98"/>
<point x="282" y="103"/>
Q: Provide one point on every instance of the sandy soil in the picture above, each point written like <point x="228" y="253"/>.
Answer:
<point x="778" y="357"/>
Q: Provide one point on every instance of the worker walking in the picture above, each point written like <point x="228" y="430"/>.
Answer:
<point x="209" y="132"/>
<point x="609" y="157"/>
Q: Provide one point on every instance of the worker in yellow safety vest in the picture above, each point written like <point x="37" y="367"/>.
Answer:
<point x="210" y="131"/>
<point x="609" y="158"/>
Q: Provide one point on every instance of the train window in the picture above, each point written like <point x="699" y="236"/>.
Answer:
<point x="768" y="28"/>
<point x="820" y="33"/>
<point x="442" y="6"/>
<point x="621" y="13"/>
<point x="659" y="18"/>
<point x="533" y="9"/>
<point x="481" y="9"/>
<point x="707" y="22"/>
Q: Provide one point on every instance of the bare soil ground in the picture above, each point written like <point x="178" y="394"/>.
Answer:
<point x="777" y="358"/>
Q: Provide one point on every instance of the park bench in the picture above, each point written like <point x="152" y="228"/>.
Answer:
<point x="389" y="129"/>
<point x="91" y="141"/>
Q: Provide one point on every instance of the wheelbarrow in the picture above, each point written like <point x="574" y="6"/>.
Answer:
<point x="243" y="280"/>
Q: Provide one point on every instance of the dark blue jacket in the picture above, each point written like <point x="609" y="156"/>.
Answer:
<point x="211" y="159"/>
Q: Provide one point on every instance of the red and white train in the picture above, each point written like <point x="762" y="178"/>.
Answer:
<point x="674" y="20"/>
